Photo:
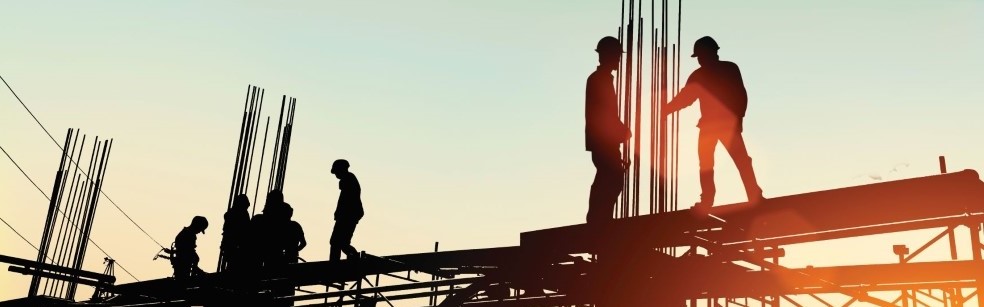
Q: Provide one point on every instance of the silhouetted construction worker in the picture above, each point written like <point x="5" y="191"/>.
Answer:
<point x="264" y="248"/>
<point x="723" y="100"/>
<point x="185" y="258"/>
<point x="234" y="232"/>
<point x="604" y="132"/>
<point x="347" y="213"/>
<point x="293" y="237"/>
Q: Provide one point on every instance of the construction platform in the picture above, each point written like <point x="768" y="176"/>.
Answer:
<point x="583" y="264"/>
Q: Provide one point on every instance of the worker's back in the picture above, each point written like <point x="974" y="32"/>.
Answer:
<point x="349" y="199"/>
<point x="723" y="98"/>
<point x="185" y="241"/>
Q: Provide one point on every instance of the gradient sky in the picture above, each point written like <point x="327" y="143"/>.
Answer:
<point x="462" y="119"/>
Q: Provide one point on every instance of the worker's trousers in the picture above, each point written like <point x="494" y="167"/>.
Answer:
<point x="607" y="185"/>
<point x="733" y="142"/>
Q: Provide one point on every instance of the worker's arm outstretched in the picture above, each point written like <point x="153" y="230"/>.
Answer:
<point x="684" y="99"/>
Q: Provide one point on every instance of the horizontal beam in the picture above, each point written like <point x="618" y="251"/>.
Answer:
<point x="46" y="274"/>
<point x="30" y="264"/>
<point x="390" y="298"/>
<point x="800" y="281"/>
<point x="890" y="202"/>
<point x="738" y="240"/>
<point x="400" y="287"/>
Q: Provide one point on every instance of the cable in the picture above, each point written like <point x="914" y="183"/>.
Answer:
<point x="77" y="165"/>
<point x="18" y="234"/>
<point x="60" y="211"/>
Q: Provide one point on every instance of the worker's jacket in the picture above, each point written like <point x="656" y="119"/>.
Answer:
<point x="723" y="99"/>
<point x="349" y="199"/>
<point x="602" y="127"/>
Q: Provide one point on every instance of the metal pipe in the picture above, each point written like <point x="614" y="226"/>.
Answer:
<point x="252" y="140"/>
<point x="241" y="171"/>
<point x="101" y="173"/>
<point x="78" y="214"/>
<point x="242" y="130"/>
<point x="627" y="109"/>
<point x="638" y="119"/>
<point x="60" y="254"/>
<point x="276" y="146"/>
<point x="259" y="173"/>
<point x="46" y="234"/>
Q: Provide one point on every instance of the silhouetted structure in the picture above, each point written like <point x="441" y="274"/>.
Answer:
<point x="69" y="220"/>
<point x="246" y="154"/>
<point x="723" y="101"/>
<point x="185" y="257"/>
<point x="348" y="211"/>
<point x="604" y="132"/>
<point x="235" y="232"/>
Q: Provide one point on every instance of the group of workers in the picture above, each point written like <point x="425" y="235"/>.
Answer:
<point x="723" y="100"/>
<point x="271" y="238"/>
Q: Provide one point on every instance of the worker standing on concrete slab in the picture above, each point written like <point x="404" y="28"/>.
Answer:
<point x="604" y="132"/>
<point x="347" y="213"/>
<point x="723" y="101"/>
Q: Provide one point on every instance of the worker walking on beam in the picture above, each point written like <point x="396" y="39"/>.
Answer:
<point x="604" y="132"/>
<point x="347" y="213"/>
<point x="723" y="101"/>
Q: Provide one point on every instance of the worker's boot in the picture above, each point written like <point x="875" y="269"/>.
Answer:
<point x="707" y="192"/>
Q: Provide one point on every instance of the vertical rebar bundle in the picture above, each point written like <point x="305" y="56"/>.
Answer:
<point x="278" y="171"/>
<point x="245" y="149"/>
<point x="662" y="138"/>
<point x="71" y="212"/>
<point x="242" y="173"/>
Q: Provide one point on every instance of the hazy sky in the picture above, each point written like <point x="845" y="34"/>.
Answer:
<point x="462" y="119"/>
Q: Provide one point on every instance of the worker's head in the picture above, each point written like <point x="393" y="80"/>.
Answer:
<point x="274" y="200"/>
<point x="199" y="223"/>
<point x="705" y="50"/>
<point x="288" y="211"/>
<point x="609" y="52"/>
<point x="340" y="166"/>
<point x="240" y="202"/>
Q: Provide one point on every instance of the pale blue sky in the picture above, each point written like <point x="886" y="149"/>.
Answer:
<point x="462" y="119"/>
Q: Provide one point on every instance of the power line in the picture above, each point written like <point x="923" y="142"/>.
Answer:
<point x="18" y="233"/>
<point x="59" y="211"/>
<point x="77" y="165"/>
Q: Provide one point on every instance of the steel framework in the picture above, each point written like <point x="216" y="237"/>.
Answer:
<point x="731" y="257"/>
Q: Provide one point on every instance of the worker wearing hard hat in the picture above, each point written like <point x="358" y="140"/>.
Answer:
<point x="723" y="101"/>
<point x="604" y="132"/>
<point x="185" y="258"/>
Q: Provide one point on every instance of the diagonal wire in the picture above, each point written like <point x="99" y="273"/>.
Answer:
<point x="77" y="165"/>
<point x="18" y="233"/>
<point x="59" y="211"/>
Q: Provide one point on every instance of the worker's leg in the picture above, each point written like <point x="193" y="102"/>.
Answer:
<point x="335" y="253"/>
<point x="706" y="142"/>
<point x="337" y="241"/>
<point x="348" y="249"/>
<point x="606" y="186"/>
<point x="734" y="143"/>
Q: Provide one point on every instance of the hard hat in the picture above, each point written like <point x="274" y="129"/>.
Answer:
<point x="609" y="44"/>
<point x="200" y="221"/>
<point x="339" y="164"/>
<point x="705" y="45"/>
